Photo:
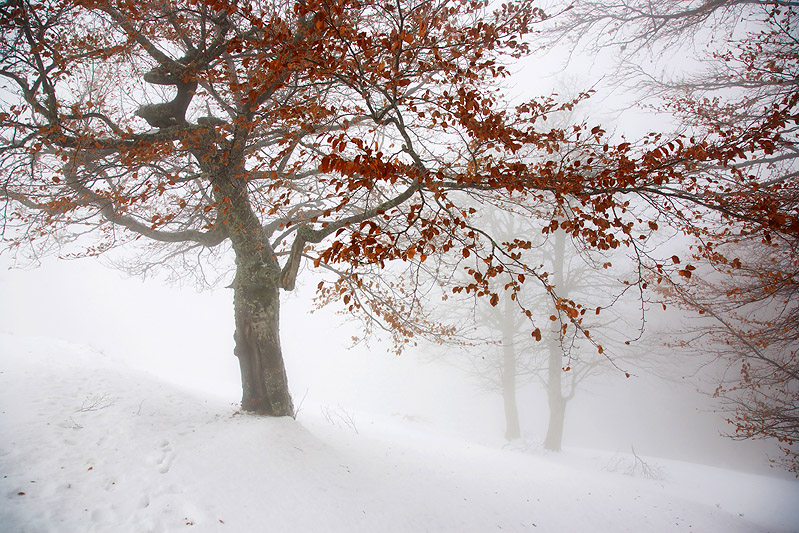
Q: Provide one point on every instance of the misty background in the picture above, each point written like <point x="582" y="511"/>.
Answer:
<point x="185" y="337"/>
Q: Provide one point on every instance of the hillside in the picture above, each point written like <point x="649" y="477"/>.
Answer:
<point x="87" y="444"/>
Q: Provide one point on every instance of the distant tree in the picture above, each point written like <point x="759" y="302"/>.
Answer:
<point x="508" y="357"/>
<point x="568" y="360"/>
<point x="340" y="133"/>
<point x="745" y="84"/>
<point x="747" y="319"/>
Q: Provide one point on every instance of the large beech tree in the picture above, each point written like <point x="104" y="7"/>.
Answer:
<point x="340" y="133"/>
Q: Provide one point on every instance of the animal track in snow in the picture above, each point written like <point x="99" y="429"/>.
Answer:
<point x="166" y="456"/>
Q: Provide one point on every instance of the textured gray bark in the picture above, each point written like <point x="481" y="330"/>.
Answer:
<point x="256" y="302"/>
<point x="264" y="383"/>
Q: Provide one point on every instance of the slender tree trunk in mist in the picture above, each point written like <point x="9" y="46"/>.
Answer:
<point x="555" y="398"/>
<point x="512" y="428"/>
<point x="557" y="416"/>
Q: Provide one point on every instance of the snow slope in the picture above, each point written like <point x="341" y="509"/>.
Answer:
<point x="87" y="444"/>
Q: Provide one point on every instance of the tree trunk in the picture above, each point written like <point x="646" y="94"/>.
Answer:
<point x="512" y="429"/>
<point x="256" y="301"/>
<point x="508" y="374"/>
<point x="555" y="398"/>
<point x="557" y="415"/>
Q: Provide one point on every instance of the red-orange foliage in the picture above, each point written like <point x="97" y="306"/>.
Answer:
<point x="750" y="296"/>
<point x="747" y="317"/>
<point x="351" y="134"/>
<point x="742" y="94"/>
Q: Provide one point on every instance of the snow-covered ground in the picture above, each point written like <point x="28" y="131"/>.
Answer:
<point x="88" y="444"/>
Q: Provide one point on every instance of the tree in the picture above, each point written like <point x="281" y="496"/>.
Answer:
<point x="745" y="318"/>
<point x="745" y="298"/>
<point x="508" y="356"/>
<point x="344" y="134"/>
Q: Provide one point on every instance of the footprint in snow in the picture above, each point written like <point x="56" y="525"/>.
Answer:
<point x="166" y="456"/>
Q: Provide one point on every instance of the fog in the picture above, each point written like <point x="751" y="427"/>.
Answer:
<point x="185" y="337"/>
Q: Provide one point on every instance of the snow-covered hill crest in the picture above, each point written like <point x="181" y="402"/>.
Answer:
<point x="87" y="444"/>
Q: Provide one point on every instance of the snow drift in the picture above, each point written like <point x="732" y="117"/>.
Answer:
<point x="88" y="444"/>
